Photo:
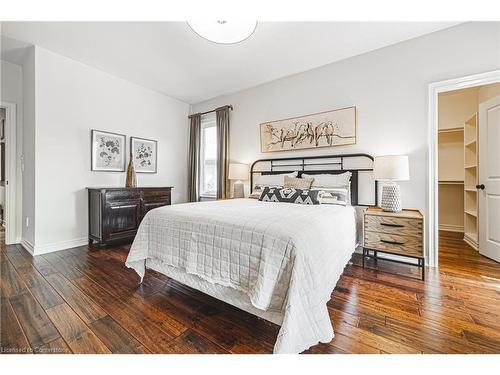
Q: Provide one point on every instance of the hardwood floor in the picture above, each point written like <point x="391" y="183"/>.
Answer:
<point x="85" y="300"/>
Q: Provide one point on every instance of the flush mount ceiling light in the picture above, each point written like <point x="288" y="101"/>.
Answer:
<point x="223" y="31"/>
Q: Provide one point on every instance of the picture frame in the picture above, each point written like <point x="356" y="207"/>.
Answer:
<point x="144" y="154"/>
<point x="108" y="151"/>
<point x="323" y="129"/>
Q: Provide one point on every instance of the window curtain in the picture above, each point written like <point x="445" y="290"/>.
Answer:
<point x="194" y="158"/>
<point x="222" y="120"/>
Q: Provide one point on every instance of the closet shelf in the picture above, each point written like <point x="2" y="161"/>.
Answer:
<point x="471" y="213"/>
<point x="470" y="166"/>
<point x="450" y="182"/>
<point x="471" y="190"/>
<point x="451" y="130"/>
<point x="473" y="142"/>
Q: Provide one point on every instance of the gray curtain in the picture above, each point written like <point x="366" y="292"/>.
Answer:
<point x="222" y="119"/>
<point x="194" y="158"/>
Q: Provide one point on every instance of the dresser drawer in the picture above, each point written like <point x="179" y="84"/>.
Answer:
<point x="393" y="243"/>
<point x="122" y="195"/>
<point x="393" y="225"/>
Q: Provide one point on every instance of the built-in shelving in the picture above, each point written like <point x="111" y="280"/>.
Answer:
<point x="450" y="182"/>
<point x="470" y="143"/>
<point x="458" y="129"/>
<point x="470" y="182"/>
<point x="451" y="178"/>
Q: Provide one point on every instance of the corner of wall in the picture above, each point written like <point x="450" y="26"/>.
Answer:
<point x="28" y="146"/>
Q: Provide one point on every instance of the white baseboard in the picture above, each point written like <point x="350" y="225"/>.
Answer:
<point x="471" y="243"/>
<point x="62" y="245"/>
<point x="451" y="228"/>
<point x="27" y="245"/>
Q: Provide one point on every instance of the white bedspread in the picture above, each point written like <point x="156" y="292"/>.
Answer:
<point x="285" y="257"/>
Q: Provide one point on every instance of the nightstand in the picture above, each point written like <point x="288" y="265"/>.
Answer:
<point x="396" y="233"/>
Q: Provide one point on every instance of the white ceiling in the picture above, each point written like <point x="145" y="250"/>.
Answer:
<point x="169" y="57"/>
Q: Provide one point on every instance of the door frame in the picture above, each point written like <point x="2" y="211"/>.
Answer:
<point x="435" y="89"/>
<point x="11" y="230"/>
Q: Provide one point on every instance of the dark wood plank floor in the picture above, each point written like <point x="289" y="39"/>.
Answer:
<point x="84" y="300"/>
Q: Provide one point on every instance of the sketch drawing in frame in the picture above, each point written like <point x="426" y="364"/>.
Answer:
<point x="107" y="151"/>
<point x="144" y="154"/>
<point x="324" y="129"/>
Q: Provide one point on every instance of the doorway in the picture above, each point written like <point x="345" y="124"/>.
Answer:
<point x="459" y="207"/>
<point x="3" y="118"/>
<point x="8" y="174"/>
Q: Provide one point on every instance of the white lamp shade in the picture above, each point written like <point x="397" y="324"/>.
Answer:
<point x="391" y="168"/>
<point x="238" y="171"/>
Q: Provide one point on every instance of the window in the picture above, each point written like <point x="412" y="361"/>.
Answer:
<point x="208" y="153"/>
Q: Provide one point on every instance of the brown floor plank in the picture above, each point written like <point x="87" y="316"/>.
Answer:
<point x="192" y="343"/>
<point x="59" y="263"/>
<point x="79" y="301"/>
<point x="12" y="338"/>
<point x="77" y="335"/>
<point x="152" y="336"/>
<point x="135" y="304"/>
<point x="58" y="346"/>
<point x="115" y="337"/>
<point x="40" y="288"/>
<point x="35" y="323"/>
<point x="10" y="281"/>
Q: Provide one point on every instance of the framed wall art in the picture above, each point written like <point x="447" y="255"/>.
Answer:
<point x="144" y="154"/>
<point x="107" y="151"/>
<point x="324" y="129"/>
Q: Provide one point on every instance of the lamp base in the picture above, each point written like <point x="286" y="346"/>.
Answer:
<point x="238" y="190"/>
<point x="391" y="198"/>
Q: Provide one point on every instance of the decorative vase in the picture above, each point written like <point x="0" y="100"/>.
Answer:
<point x="131" y="179"/>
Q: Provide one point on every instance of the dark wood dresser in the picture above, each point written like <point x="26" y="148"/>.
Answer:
<point x="115" y="213"/>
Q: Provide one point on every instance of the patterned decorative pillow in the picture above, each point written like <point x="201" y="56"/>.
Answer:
<point x="258" y="189"/>
<point x="290" y="195"/>
<point x="298" y="183"/>
<point x="340" y="196"/>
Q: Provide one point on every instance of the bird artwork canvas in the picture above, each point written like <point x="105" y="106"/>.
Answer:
<point x="324" y="129"/>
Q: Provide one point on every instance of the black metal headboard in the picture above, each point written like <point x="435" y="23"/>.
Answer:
<point x="331" y="164"/>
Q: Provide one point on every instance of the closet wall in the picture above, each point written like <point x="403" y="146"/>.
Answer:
<point x="455" y="109"/>
<point x="458" y="159"/>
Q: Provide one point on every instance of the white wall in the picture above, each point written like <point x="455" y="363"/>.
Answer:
<point x="28" y="231"/>
<point x="11" y="91"/>
<point x="388" y="86"/>
<point x="73" y="98"/>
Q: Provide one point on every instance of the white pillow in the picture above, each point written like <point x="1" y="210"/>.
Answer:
<point x="329" y="180"/>
<point x="273" y="179"/>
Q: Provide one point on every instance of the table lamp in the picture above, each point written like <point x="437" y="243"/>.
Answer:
<point x="391" y="168"/>
<point x="238" y="172"/>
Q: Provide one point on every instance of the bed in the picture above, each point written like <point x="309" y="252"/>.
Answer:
<point x="278" y="261"/>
